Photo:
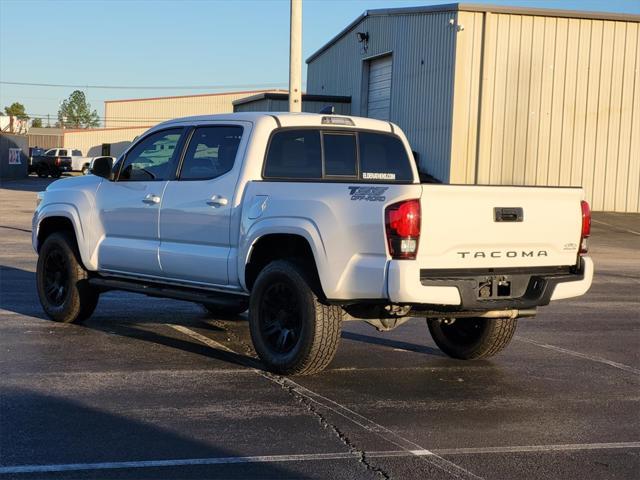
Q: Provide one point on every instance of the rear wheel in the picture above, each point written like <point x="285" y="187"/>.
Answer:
<point x="230" y="309"/>
<point x="293" y="332"/>
<point x="472" y="338"/>
<point x="56" y="173"/>
<point x="62" y="281"/>
<point x="86" y="170"/>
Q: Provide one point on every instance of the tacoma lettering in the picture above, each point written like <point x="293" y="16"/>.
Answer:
<point x="502" y="254"/>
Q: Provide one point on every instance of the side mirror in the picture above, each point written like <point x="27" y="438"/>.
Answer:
<point x="102" y="167"/>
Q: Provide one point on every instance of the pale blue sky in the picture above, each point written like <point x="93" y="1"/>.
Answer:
<point x="174" y="43"/>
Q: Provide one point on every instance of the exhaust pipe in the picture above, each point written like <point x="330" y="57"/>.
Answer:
<point x="530" y="312"/>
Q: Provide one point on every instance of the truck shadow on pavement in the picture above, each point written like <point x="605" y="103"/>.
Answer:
<point x="389" y="342"/>
<point x="18" y="294"/>
<point x="47" y="429"/>
<point x="131" y="330"/>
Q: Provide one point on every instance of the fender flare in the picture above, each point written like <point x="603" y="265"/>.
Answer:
<point x="300" y="226"/>
<point x="70" y="212"/>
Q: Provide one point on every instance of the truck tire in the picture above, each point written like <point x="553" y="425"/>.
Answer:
<point x="227" y="309"/>
<point x="293" y="332"/>
<point x="472" y="338"/>
<point x="86" y="170"/>
<point x="62" y="281"/>
<point x="42" y="171"/>
<point x="55" y="173"/>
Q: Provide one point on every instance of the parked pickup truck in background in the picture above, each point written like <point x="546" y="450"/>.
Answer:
<point x="308" y="220"/>
<point x="53" y="162"/>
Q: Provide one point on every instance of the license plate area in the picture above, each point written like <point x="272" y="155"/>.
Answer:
<point x="494" y="287"/>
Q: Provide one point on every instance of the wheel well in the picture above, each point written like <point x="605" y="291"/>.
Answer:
<point x="276" y="247"/>
<point x="51" y="225"/>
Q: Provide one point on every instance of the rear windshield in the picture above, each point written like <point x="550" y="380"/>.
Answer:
<point x="315" y="154"/>
<point x="383" y="157"/>
<point x="76" y="153"/>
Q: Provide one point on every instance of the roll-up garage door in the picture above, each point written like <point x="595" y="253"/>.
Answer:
<point x="379" y="92"/>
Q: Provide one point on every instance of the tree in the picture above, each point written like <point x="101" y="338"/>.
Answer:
<point x="36" y="123"/>
<point x="75" y="112"/>
<point x="16" y="110"/>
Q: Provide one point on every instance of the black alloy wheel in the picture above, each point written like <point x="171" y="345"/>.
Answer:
<point x="281" y="317"/>
<point x="62" y="282"/>
<point x="56" y="276"/>
<point x="294" y="331"/>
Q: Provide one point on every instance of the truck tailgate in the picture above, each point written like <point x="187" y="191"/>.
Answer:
<point x="474" y="226"/>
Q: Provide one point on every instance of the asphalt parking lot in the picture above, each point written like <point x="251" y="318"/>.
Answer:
<point x="152" y="388"/>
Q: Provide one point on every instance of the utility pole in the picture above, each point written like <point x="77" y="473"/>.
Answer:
<point x="295" y="57"/>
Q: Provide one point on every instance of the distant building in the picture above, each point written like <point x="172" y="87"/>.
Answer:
<point x="500" y="95"/>
<point x="127" y="119"/>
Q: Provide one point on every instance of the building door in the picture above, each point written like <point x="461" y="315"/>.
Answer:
<point x="379" y="88"/>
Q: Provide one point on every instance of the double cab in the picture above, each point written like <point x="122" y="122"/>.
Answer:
<point x="306" y="221"/>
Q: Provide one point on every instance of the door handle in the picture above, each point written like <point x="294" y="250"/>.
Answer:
<point x="217" y="201"/>
<point x="151" y="199"/>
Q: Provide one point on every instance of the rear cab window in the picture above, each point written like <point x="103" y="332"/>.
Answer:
<point x="308" y="154"/>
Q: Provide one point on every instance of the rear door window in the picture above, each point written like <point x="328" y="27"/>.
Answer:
<point x="294" y="154"/>
<point x="383" y="158"/>
<point x="340" y="154"/>
<point x="63" y="153"/>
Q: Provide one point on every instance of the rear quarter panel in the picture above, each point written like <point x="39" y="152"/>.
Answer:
<point x="345" y="230"/>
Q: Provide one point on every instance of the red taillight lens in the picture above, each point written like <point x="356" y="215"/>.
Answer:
<point x="586" y="226"/>
<point x="403" y="229"/>
<point x="57" y="160"/>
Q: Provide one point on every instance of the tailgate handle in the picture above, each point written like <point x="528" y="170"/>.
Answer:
<point x="508" y="214"/>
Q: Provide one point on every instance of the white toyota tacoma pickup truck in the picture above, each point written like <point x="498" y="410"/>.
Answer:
<point x="307" y="220"/>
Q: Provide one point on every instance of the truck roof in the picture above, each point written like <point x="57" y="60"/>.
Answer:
<point x="286" y="119"/>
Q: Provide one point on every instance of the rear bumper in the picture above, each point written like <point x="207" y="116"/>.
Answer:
<point x="458" y="290"/>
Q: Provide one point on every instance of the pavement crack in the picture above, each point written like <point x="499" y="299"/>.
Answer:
<point x="360" y="454"/>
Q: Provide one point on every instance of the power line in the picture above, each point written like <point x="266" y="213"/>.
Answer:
<point x="148" y="87"/>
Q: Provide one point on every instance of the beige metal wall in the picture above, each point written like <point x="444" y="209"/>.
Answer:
<point x="542" y="100"/>
<point x="151" y="111"/>
<point x="90" y="141"/>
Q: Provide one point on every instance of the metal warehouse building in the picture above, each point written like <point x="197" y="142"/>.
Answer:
<point x="496" y="95"/>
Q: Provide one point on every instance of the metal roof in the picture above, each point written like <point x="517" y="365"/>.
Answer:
<point x="285" y="96"/>
<point x="475" y="7"/>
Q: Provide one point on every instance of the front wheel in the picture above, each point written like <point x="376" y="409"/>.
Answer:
<point x="472" y="338"/>
<point x="62" y="281"/>
<point x="86" y="170"/>
<point x="293" y="332"/>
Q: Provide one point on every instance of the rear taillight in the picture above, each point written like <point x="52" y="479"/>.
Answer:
<point x="403" y="229"/>
<point x="586" y="226"/>
<point x="57" y="160"/>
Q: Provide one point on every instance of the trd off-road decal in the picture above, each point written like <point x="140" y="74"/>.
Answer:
<point x="370" y="194"/>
